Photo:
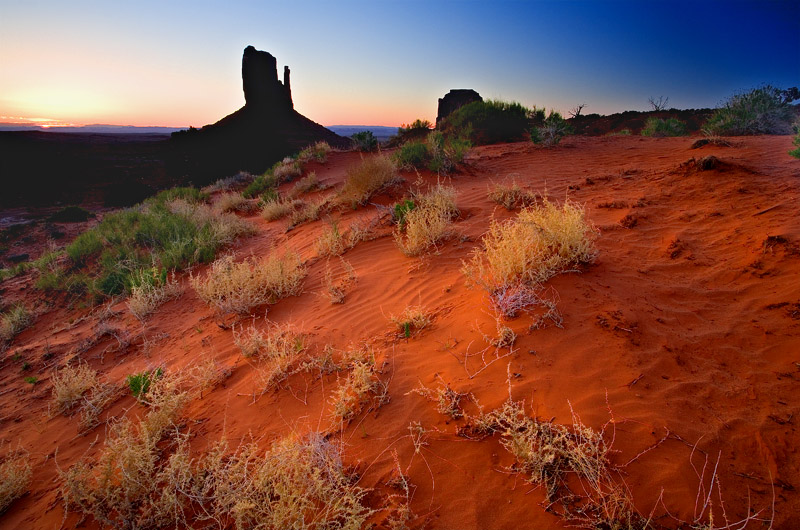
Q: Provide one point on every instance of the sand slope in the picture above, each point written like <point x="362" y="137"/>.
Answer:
<point x="682" y="338"/>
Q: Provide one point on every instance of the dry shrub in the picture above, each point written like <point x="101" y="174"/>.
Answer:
<point x="412" y="320"/>
<point x="310" y="211"/>
<point x="448" y="401"/>
<point x="288" y="169"/>
<point x="275" y="209"/>
<point x="429" y="222"/>
<point x="71" y="383"/>
<point x="232" y="287"/>
<point x="511" y="196"/>
<point x="361" y="387"/>
<point x="539" y="243"/>
<point x="233" y="202"/>
<point x="13" y="321"/>
<point x="278" y="348"/>
<point x="510" y="300"/>
<point x="129" y="485"/>
<point x="149" y="293"/>
<point x="305" y="185"/>
<point x="15" y="477"/>
<point x="300" y="483"/>
<point x="332" y="242"/>
<point x="224" y="228"/>
<point x="336" y="288"/>
<point x="550" y="453"/>
<point x="363" y="180"/>
<point x="318" y="151"/>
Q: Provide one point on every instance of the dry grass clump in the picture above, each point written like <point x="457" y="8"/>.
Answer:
<point x="278" y="347"/>
<point x="318" y="151"/>
<point x="365" y="179"/>
<point x="336" y="288"/>
<point x="300" y="483"/>
<point x="15" y="477"/>
<point x="232" y="287"/>
<point x="223" y="228"/>
<point x="550" y="453"/>
<point x="12" y="321"/>
<point x="276" y="208"/>
<point x="412" y="320"/>
<point x="150" y="290"/>
<point x="448" y="401"/>
<point x="308" y="212"/>
<point x="511" y="196"/>
<point x="361" y="387"/>
<point x="288" y="169"/>
<point x="306" y="184"/>
<point x="238" y="181"/>
<point x="539" y="243"/>
<point x="332" y="242"/>
<point x="428" y="222"/>
<point x="233" y="202"/>
<point x="131" y="485"/>
<point x="71" y="383"/>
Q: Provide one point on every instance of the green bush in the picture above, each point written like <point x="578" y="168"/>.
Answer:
<point x="554" y="127"/>
<point x="364" y="141"/>
<point x="140" y="383"/>
<point x="413" y="154"/>
<point x="437" y="153"/>
<point x="400" y="211"/>
<point x="764" y="110"/>
<point x="417" y="124"/>
<point x="660" y="128"/>
<point x="796" y="152"/>
<point x="491" y="121"/>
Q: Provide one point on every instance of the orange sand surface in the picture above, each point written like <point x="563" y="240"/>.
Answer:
<point x="681" y="341"/>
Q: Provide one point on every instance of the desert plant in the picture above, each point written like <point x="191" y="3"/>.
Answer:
<point x="540" y="242"/>
<point x="491" y="121"/>
<point x="412" y="154"/>
<point x="15" y="477"/>
<point x="364" y="141"/>
<point x="306" y="184"/>
<point x="13" y="320"/>
<point x="308" y="211"/>
<point x="429" y="222"/>
<point x="365" y="179"/>
<point x="412" y="320"/>
<point x="140" y="383"/>
<point x="417" y="124"/>
<point x="71" y="383"/>
<point x="658" y="104"/>
<point x="276" y="208"/>
<point x="659" y="127"/>
<point x="400" y="210"/>
<point x="359" y="388"/>
<point x="511" y="196"/>
<point x="796" y="152"/>
<point x="763" y="110"/>
<point x="262" y="183"/>
<point x="288" y="169"/>
<point x="232" y="202"/>
<point x="232" y="287"/>
<point x="318" y="151"/>
<point x="150" y="289"/>
<point x="236" y="182"/>
<point x="336" y="287"/>
<point x="553" y="128"/>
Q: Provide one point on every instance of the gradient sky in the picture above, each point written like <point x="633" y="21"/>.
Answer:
<point x="381" y="62"/>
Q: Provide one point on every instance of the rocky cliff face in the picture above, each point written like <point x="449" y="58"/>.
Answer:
<point x="454" y="100"/>
<point x="264" y="130"/>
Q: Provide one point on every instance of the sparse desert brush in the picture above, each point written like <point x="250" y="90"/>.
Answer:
<point x="763" y="110"/>
<point x="511" y="196"/>
<point x="318" y="151"/>
<point x="363" y="180"/>
<point x="15" y="477"/>
<point x="448" y="401"/>
<point x="428" y="222"/>
<point x="71" y="383"/>
<point x="552" y="130"/>
<point x="412" y="320"/>
<point x="150" y="289"/>
<point x="13" y="320"/>
<point x="435" y="152"/>
<point x="361" y="386"/>
<point x="309" y="211"/>
<point x="332" y="242"/>
<point x="276" y="208"/>
<point x="364" y="141"/>
<point x="540" y="242"/>
<point x="235" y="182"/>
<point x="550" y="453"/>
<point x="299" y="483"/>
<point x="140" y="383"/>
<point x="336" y="287"/>
<point x="262" y="183"/>
<point x="278" y="348"/>
<point x="233" y="202"/>
<point x="288" y="169"/>
<point x="510" y="300"/>
<point x="659" y="127"/>
<point x="306" y="184"/>
<point x="232" y="287"/>
<point x="796" y="152"/>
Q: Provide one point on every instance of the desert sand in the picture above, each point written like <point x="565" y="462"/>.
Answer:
<point x="681" y="342"/>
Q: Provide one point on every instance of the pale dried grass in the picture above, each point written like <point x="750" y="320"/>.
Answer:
<point x="361" y="387"/>
<point x="306" y="184"/>
<point x="224" y="227"/>
<point x="336" y="286"/>
<point x="233" y="202"/>
<point x="13" y="321"/>
<point x="275" y="209"/>
<point x="365" y="179"/>
<point x="318" y="151"/>
<point x="71" y="383"/>
<point x="288" y="169"/>
<point x="15" y="477"/>
<point x="278" y="348"/>
<point x="308" y="212"/>
<point x="539" y="243"/>
<point x="412" y="320"/>
<point x="232" y="287"/>
<point x="149" y="293"/>
<point x="429" y="222"/>
<point x="511" y="196"/>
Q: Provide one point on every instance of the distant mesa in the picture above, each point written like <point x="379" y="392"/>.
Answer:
<point x="254" y="137"/>
<point x="454" y="100"/>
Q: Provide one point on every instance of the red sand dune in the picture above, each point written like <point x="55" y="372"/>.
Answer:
<point x="684" y="334"/>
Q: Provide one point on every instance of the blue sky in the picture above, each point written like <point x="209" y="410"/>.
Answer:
<point x="383" y="62"/>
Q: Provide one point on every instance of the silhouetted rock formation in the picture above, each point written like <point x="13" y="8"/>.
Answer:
<point x="454" y="100"/>
<point x="254" y="137"/>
